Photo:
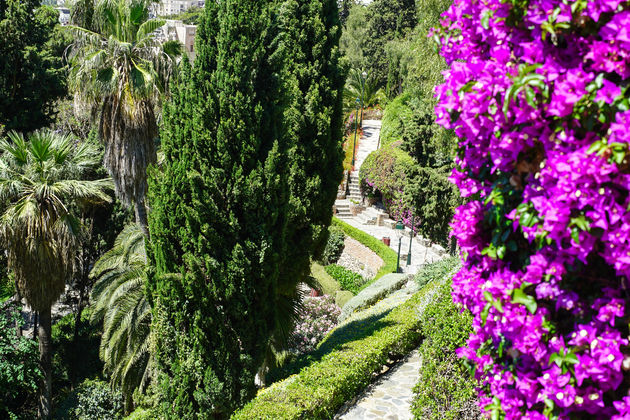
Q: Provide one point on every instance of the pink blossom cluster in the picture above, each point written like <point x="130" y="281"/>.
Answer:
<point x="537" y="92"/>
<point x="320" y="315"/>
<point x="400" y="209"/>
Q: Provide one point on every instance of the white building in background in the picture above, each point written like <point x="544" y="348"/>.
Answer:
<point x="174" y="7"/>
<point x="176" y="30"/>
<point x="64" y="15"/>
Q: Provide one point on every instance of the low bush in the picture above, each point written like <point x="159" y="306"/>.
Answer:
<point x="437" y="271"/>
<point x="19" y="369"/>
<point x="446" y="388"/>
<point x="373" y="293"/>
<point x="324" y="282"/>
<point x="334" y="246"/>
<point x="395" y="116"/>
<point x="342" y="297"/>
<point x="386" y="253"/>
<point x="320" y="315"/>
<point x="342" y="365"/>
<point x="348" y="280"/>
<point x="96" y="401"/>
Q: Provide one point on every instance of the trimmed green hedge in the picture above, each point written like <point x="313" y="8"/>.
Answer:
<point x="386" y="253"/>
<point x="342" y="366"/>
<point x="446" y="389"/>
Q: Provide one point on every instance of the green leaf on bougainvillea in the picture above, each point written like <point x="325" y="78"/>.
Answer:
<point x="519" y="296"/>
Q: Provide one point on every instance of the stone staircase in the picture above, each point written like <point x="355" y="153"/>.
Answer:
<point x="342" y="209"/>
<point x="353" y="187"/>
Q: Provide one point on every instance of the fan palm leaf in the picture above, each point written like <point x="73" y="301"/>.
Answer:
<point x="41" y="187"/>
<point x="120" y="70"/>
<point x="40" y="178"/>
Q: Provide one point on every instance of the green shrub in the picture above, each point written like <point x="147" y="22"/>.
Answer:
<point x="325" y="283"/>
<point x="373" y="293"/>
<point x="143" y="414"/>
<point x="342" y="297"/>
<point x="435" y="199"/>
<point x="348" y="280"/>
<point x="396" y="114"/>
<point x="437" y="271"/>
<point x="342" y="365"/>
<point x="386" y="253"/>
<point x="334" y="246"/>
<point x="446" y="389"/>
<point x="74" y="361"/>
<point x="96" y="401"/>
<point x="7" y="288"/>
<point x="19" y="370"/>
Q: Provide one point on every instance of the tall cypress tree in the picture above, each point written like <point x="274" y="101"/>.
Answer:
<point x="309" y="33"/>
<point x="219" y="212"/>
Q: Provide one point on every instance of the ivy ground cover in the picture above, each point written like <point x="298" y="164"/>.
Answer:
<point x="537" y="92"/>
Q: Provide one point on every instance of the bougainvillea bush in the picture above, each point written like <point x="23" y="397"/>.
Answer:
<point x="537" y="92"/>
<point x="320" y="315"/>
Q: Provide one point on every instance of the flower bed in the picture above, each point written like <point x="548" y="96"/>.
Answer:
<point x="319" y="317"/>
<point x="538" y="94"/>
<point x="347" y="279"/>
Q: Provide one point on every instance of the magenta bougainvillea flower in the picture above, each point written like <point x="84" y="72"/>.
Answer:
<point x="537" y="92"/>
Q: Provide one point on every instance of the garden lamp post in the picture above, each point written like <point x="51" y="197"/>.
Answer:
<point x="356" y="128"/>
<point x="400" y="229"/>
<point x="363" y="79"/>
<point x="410" y="240"/>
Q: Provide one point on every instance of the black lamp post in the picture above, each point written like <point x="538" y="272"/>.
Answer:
<point x="356" y="128"/>
<point x="400" y="228"/>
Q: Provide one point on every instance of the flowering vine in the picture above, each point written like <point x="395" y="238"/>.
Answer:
<point x="537" y="92"/>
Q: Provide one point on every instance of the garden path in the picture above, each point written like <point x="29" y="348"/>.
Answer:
<point x="422" y="252"/>
<point x="391" y="395"/>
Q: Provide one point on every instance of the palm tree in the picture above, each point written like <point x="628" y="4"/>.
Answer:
<point x="41" y="187"/>
<point x="120" y="69"/>
<point x="359" y="86"/>
<point x="120" y="303"/>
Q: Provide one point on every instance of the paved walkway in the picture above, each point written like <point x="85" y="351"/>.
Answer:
<point x="390" y="397"/>
<point x="369" y="140"/>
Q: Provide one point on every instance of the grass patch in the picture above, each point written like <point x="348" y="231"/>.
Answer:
<point x="386" y="253"/>
<point x="327" y="284"/>
<point x="342" y="365"/>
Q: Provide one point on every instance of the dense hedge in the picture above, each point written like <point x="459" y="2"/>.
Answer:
<point x="395" y="115"/>
<point x="407" y="187"/>
<point x="446" y="389"/>
<point x="434" y="199"/>
<point x="386" y="253"/>
<point x="342" y="365"/>
<point x="334" y="246"/>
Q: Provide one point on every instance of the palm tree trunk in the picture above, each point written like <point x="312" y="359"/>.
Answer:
<point x="141" y="216"/>
<point x="45" y="360"/>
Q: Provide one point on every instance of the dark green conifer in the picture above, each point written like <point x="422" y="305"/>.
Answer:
<point x="313" y="75"/>
<point x="219" y="211"/>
